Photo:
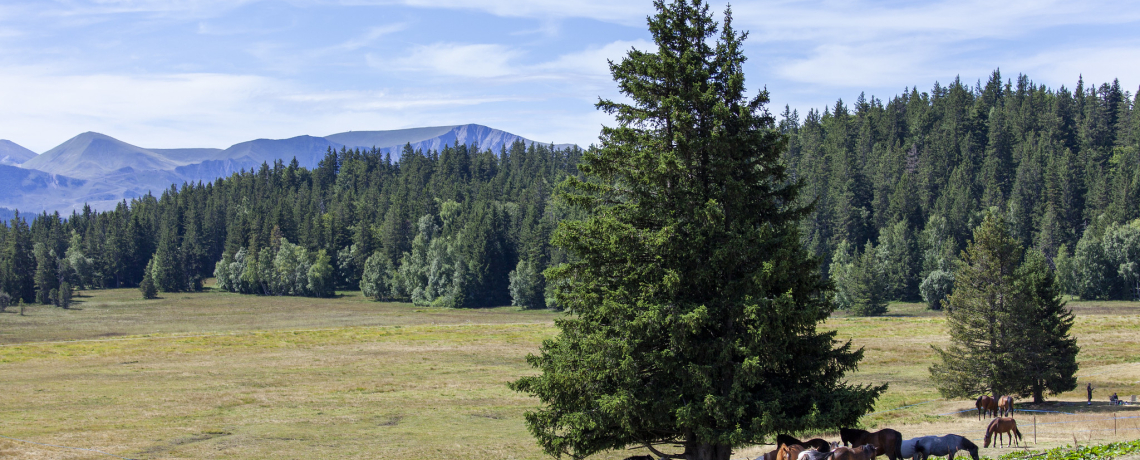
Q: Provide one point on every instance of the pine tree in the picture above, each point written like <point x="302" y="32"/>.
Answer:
<point x="47" y="270"/>
<point x="18" y="266"/>
<point x="146" y="286"/>
<point x="867" y="284"/>
<point x="694" y="304"/>
<point x="980" y="315"/>
<point x="1046" y="354"/>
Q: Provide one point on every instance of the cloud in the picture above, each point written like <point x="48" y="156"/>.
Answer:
<point x="593" y="61"/>
<point x="622" y="12"/>
<point x="456" y="60"/>
<point x="1096" y="64"/>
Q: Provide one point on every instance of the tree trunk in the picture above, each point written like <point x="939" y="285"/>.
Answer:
<point x="1038" y="398"/>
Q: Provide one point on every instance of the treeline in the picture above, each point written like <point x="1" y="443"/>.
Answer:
<point x="459" y="227"/>
<point x="898" y="188"/>
<point x="900" y="185"/>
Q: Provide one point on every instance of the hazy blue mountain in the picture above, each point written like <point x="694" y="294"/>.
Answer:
<point x="12" y="154"/>
<point x="388" y="139"/>
<point x="186" y="156"/>
<point x="433" y="138"/>
<point x="93" y="155"/>
<point x="308" y="151"/>
<point x="32" y="191"/>
<point x="6" y="214"/>
<point x="100" y="170"/>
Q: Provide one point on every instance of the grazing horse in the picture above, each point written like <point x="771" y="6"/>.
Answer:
<point x="986" y="405"/>
<point x="817" y="443"/>
<point x="864" y="452"/>
<point x="910" y="448"/>
<point x="887" y="442"/>
<point x="1005" y="405"/>
<point x="944" y="446"/>
<point x="1002" y="425"/>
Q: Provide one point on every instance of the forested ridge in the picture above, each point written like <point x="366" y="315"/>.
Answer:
<point x="897" y="188"/>
<point x="453" y="223"/>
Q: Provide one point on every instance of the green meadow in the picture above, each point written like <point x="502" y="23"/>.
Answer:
<point x="219" y="375"/>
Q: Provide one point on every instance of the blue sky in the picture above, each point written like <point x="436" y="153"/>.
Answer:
<point x="210" y="73"/>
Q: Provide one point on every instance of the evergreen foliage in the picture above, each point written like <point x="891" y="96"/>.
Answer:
<point x="694" y="304"/>
<point x="867" y="283"/>
<point x="1046" y="354"/>
<point x="147" y="287"/>
<point x="982" y="316"/>
<point x="1009" y="329"/>
<point x="914" y="174"/>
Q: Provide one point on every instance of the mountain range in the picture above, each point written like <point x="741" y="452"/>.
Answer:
<point x="100" y="170"/>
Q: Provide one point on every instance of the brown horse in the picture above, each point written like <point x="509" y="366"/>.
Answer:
<point x="789" y="452"/>
<point x="1002" y="425"/>
<point x="1005" y="405"/>
<point x="864" y="452"/>
<point x="887" y="442"/>
<point x="817" y="443"/>
<point x="986" y="405"/>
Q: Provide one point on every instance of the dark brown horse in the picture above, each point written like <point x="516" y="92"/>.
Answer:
<point x="986" y="405"/>
<point x="864" y="452"/>
<point x="1005" y="405"/>
<point x="817" y="443"/>
<point x="1002" y="425"/>
<point x="887" y="442"/>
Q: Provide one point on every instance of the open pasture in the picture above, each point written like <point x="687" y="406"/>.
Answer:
<point x="215" y="375"/>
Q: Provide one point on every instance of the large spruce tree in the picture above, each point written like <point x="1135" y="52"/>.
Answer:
<point x="1009" y="330"/>
<point x="694" y="305"/>
<point x="981" y="315"/>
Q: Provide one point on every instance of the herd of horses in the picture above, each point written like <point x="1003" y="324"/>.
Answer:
<point x="865" y="445"/>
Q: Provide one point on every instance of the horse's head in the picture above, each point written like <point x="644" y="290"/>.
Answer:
<point x="869" y="451"/>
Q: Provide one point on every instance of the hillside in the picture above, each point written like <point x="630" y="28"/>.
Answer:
<point x="13" y="154"/>
<point x="93" y="155"/>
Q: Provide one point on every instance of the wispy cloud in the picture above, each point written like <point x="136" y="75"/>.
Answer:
<point x="456" y="59"/>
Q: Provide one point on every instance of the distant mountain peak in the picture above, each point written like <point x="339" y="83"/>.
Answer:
<point x="92" y="155"/>
<point x="13" y="154"/>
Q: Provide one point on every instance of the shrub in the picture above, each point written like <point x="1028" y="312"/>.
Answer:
<point x="936" y="287"/>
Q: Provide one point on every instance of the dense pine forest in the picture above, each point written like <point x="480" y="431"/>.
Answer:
<point x="897" y="188"/>
<point x="440" y="228"/>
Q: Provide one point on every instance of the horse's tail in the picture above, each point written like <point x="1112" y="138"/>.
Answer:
<point x="1016" y="432"/>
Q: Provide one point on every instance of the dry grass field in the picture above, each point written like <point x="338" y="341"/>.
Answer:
<point x="217" y="375"/>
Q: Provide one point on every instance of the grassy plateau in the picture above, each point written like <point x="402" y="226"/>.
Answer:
<point x="218" y="375"/>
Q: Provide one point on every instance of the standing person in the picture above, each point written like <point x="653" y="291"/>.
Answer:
<point x="1090" y="393"/>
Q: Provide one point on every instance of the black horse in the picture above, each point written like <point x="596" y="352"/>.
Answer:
<point x="817" y="443"/>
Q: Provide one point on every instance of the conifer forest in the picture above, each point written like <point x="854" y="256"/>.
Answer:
<point x="896" y="189"/>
